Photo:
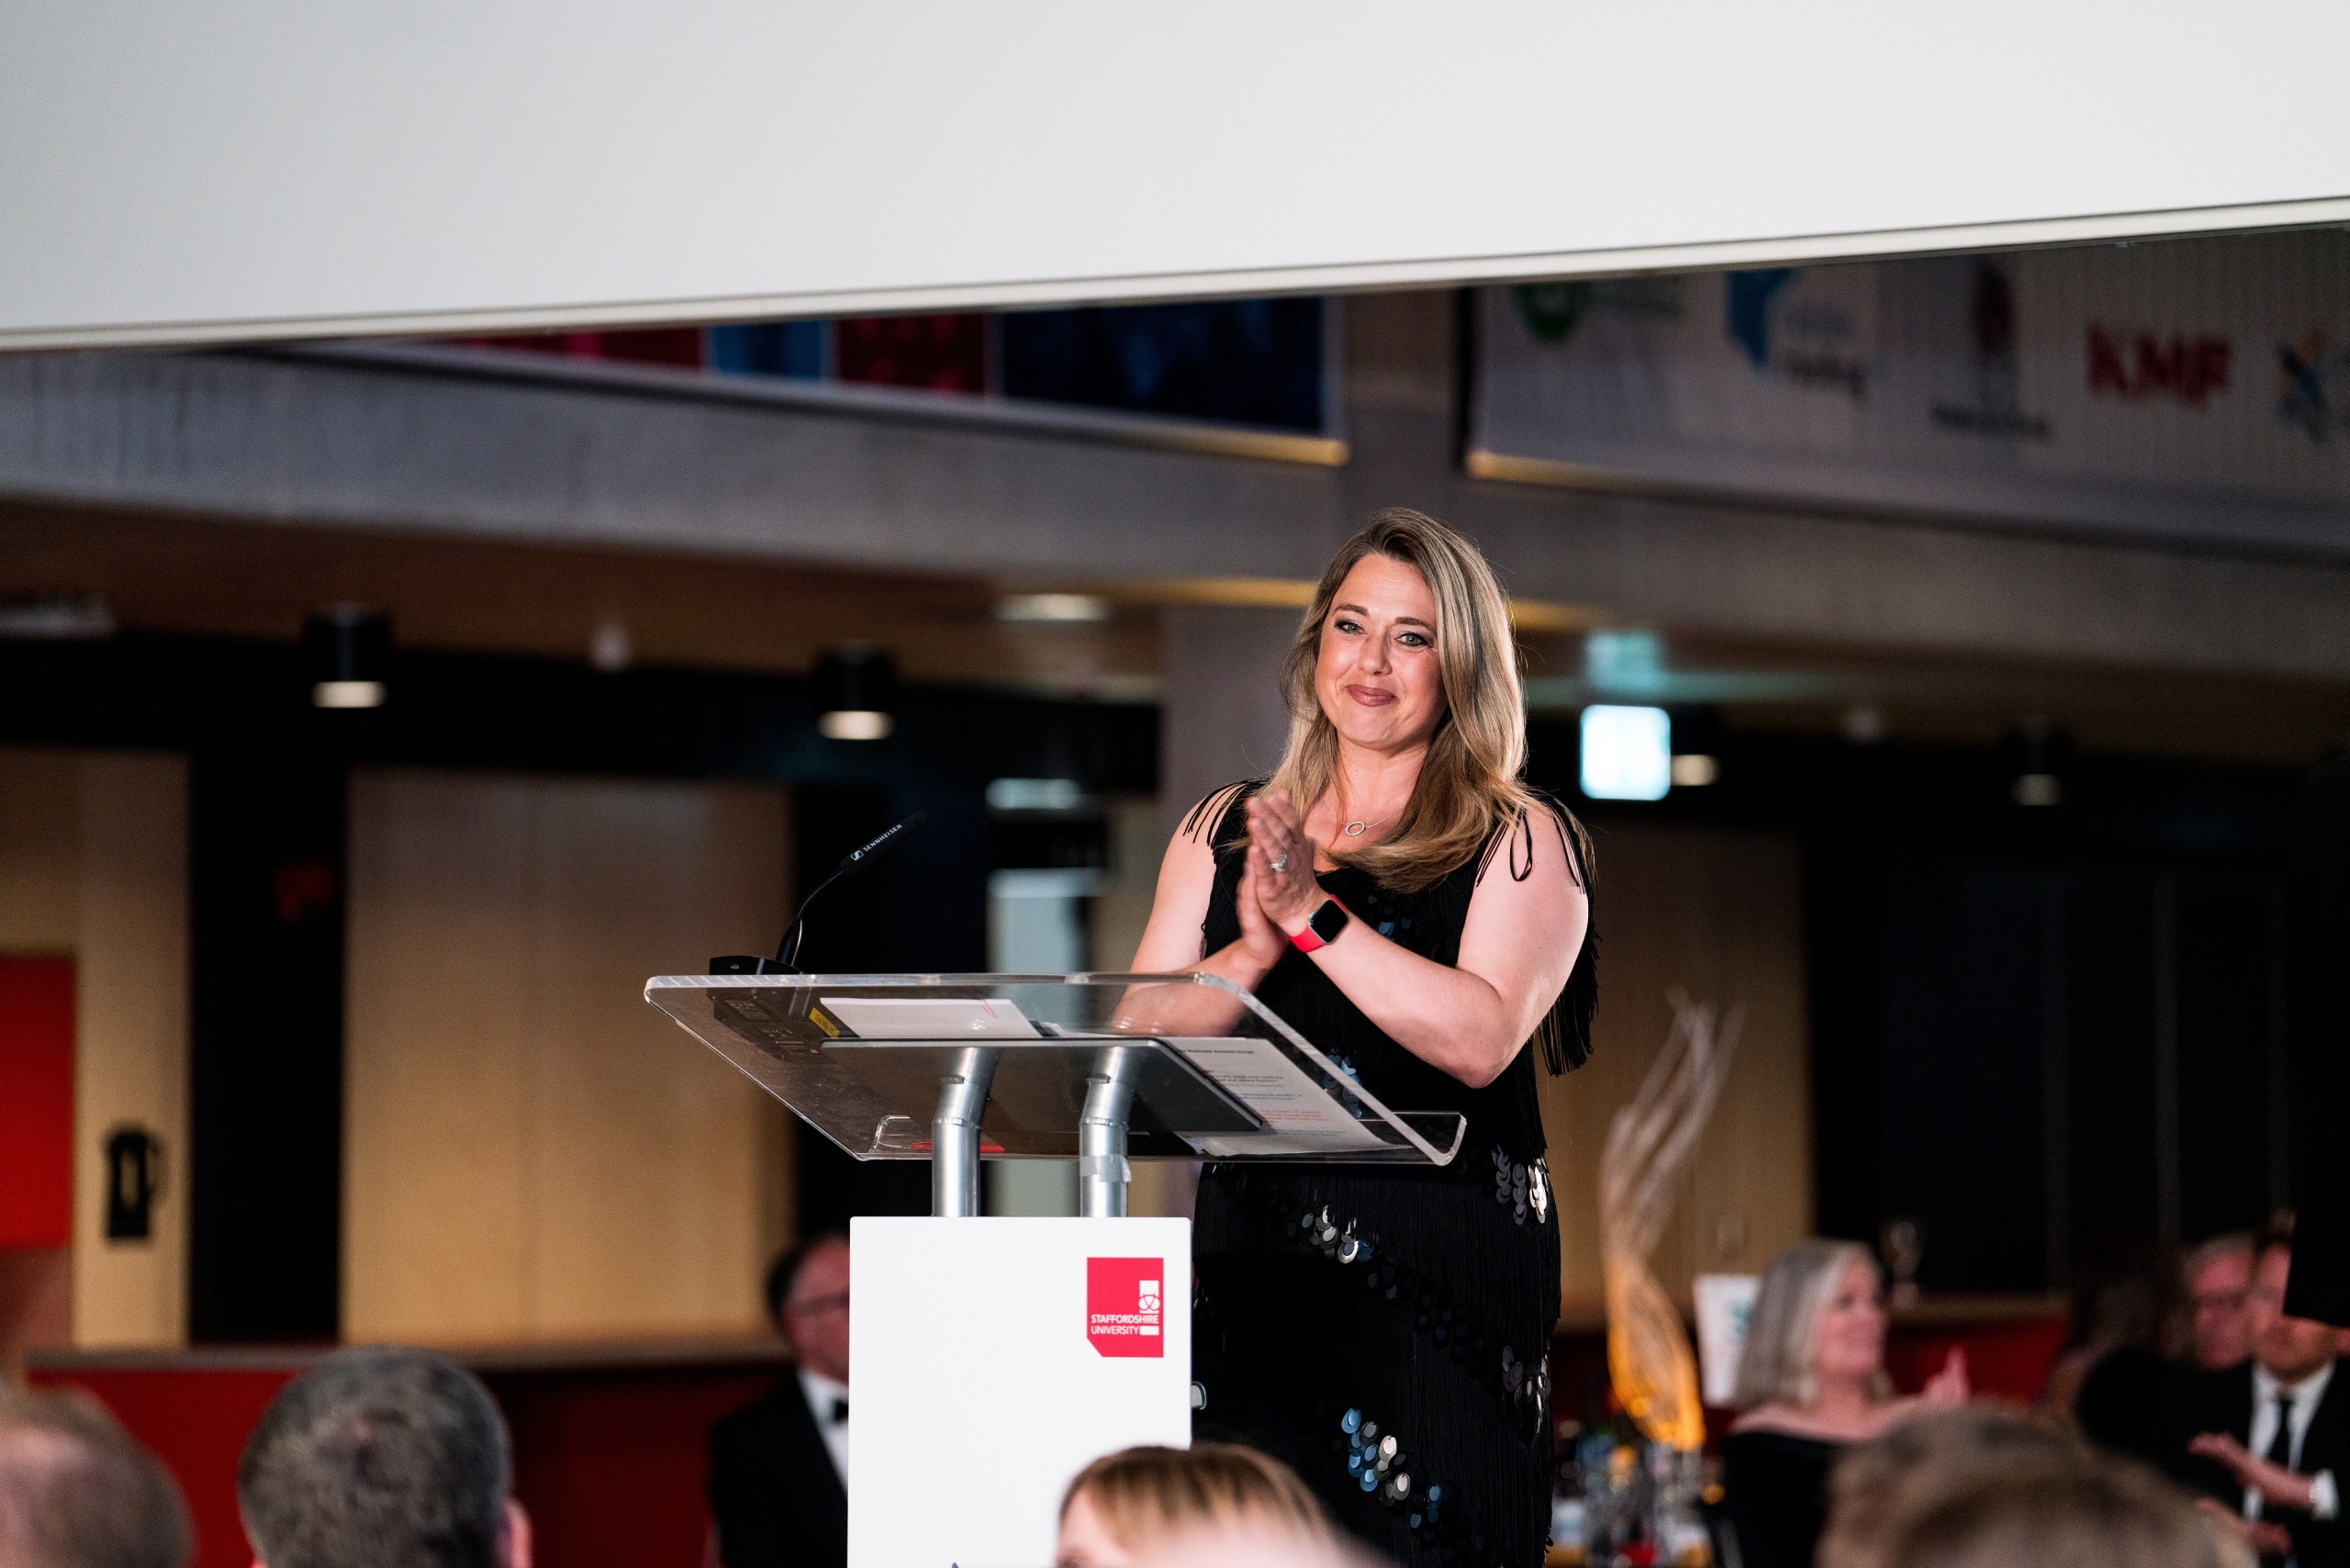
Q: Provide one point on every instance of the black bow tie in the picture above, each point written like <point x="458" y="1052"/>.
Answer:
<point x="839" y="1416"/>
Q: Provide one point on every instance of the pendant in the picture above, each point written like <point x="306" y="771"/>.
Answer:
<point x="1355" y="830"/>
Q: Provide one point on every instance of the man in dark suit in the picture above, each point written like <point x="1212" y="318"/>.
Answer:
<point x="2270" y="1439"/>
<point x="778" y="1468"/>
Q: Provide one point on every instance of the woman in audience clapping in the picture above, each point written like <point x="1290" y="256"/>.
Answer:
<point x="1811" y="1382"/>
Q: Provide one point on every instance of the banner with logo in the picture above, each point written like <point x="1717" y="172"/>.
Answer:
<point x="2193" y="389"/>
<point x="990" y="1361"/>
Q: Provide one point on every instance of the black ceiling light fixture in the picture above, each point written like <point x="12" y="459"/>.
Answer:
<point x="2039" y="751"/>
<point x="856" y="688"/>
<point x="347" y="651"/>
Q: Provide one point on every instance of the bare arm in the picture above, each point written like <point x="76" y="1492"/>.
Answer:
<point x="1170" y="943"/>
<point x="1526" y="923"/>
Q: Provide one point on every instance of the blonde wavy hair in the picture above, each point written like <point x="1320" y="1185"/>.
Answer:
<point x="1469" y="784"/>
<point x="1781" y="1362"/>
<point x="1147" y="1496"/>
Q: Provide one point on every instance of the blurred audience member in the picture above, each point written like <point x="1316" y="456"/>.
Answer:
<point x="778" y="1468"/>
<point x="2270" y="1439"/>
<point x="382" y="1458"/>
<point x="1210" y="1503"/>
<point x="2128" y="1321"/>
<point x="1878" y="1485"/>
<point x="2219" y="1277"/>
<point x="76" y="1492"/>
<point x="2033" y="1512"/>
<point x="1811" y="1381"/>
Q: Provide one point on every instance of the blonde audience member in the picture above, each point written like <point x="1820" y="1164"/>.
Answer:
<point x="2028" y="1513"/>
<point x="1811" y="1381"/>
<point x="76" y="1492"/>
<point x="1212" y="1502"/>
<point x="1878" y="1485"/>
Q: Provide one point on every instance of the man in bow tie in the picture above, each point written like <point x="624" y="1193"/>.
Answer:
<point x="778" y="1468"/>
<point x="2271" y="1440"/>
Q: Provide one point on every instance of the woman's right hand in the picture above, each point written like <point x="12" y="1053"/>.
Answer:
<point x="1261" y="942"/>
<point x="1948" y="1388"/>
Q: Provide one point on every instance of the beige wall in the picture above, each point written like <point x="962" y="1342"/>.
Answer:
<point x="531" y="1150"/>
<point x="93" y="864"/>
<point x="1720" y="914"/>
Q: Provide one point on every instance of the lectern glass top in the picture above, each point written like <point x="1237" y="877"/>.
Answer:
<point x="1217" y="1075"/>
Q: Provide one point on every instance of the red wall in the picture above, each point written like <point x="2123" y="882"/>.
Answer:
<point x="36" y="1101"/>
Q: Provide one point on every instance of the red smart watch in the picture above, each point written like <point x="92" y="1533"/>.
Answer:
<point x="1323" y="928"/>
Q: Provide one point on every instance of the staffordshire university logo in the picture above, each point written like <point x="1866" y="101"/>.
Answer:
<point x="1121" y="1305"/>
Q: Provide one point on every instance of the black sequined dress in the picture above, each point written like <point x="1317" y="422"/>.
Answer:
<point x="1387" y="1331"/>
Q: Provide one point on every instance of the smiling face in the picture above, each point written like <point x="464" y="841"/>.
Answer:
<point x="1376" y="673"/>
<point x="2290" y="1348"/>
<point x="1851" y="1343"/>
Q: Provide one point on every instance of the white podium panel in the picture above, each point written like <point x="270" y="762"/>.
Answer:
<point x="993" y="1359"/>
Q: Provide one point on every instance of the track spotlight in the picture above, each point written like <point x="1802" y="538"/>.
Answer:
<point x="347" y="650"/>
<point x="856" y="694"/>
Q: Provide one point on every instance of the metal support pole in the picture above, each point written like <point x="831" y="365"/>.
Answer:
<point x="1102" y="1169"/>
<point x="954" y="1133"/>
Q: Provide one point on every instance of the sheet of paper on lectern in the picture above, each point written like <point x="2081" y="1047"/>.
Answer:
<point x="1261" y="1077"/>
<point x="931" y="1019"/>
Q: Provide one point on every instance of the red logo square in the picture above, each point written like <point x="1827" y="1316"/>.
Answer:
<point x="1123" y="1305"/>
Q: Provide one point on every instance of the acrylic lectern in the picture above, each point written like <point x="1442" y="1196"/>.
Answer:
<point x="991" y="1359"/>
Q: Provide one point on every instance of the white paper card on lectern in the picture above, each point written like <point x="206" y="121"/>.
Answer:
<point x="992" y="1359"/>
<point x="1258" y="1074"/>
<point x="931" y="1019"/>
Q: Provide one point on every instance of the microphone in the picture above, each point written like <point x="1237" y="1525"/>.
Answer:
<point x="787" y="953"/>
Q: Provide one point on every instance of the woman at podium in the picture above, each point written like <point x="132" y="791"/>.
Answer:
<point x="1403" y="899"/>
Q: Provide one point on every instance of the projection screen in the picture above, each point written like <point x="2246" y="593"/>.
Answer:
<point x="257" y="169"/>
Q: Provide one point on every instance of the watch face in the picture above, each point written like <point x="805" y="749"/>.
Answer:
<point x="1328" y="921"/>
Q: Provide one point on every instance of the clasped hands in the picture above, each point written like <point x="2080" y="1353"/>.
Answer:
<point x="1277" y="893"/>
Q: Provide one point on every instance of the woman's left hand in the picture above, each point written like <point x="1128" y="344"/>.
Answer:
<point x="1282" y="857"/>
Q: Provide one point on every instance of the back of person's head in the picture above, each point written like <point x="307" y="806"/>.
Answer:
<point x="380" y="1458"/>
<point x="2088" y="1513"/>
<point x="1147" y="1503"/>
<point x="2127" y="1291"/>
<point x="1878" y="1483"/>
<point x="76" y="1492"/>
<point x="1779" y="1362"/>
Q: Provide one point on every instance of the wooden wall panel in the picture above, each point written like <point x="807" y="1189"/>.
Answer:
<point x="131" y="1043"/>
<point x="94" y="865"/>
<point x="531" y="1150"/>
<point x="1720" y="914"/>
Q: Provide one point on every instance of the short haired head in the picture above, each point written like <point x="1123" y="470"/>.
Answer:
<point x="380" y="1458"/>
<point x="2093" y="1513"/>
<point x="2219" y="1249"/>
<point x="785" y="1271"/>
<point x="1142" y="1499"/>
<point x="1877" y="1485"/>
<point x="76" y="1492"/>
<point x="1780" y="1364"/>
